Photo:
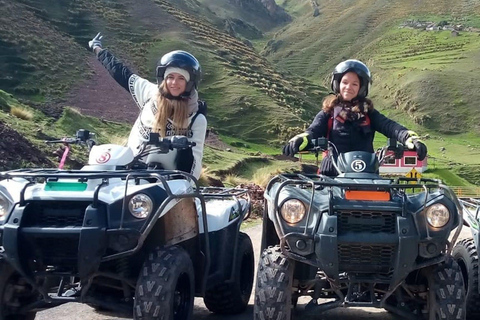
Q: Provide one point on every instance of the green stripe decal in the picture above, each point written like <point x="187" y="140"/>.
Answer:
<point x="304" y="143"/>
<point x="65" y="186"/>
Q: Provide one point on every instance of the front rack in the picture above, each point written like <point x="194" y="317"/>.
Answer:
<point x="235" y="193"/>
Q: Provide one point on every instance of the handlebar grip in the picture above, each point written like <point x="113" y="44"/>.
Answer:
<point x="64" y="140"/>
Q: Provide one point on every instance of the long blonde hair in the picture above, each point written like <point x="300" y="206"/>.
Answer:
<point x="176" y="110"/>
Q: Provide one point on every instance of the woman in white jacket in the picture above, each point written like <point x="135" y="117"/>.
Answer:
<point x="169" y="107"/>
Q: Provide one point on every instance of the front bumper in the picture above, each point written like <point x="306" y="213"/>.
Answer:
<point x="72" y="240"/>
<point x="383" y="257"/>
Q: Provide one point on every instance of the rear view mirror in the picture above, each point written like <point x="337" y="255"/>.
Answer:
<point x="153" y="138"/>
<point x="321" y="143"/>
<point x="397" y="148"/>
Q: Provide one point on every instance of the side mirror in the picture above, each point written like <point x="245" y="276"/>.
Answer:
<point x="320" y="143"/>
<point x="397" y="148"/>
<point x="83" y="135"/>
<point x="153" y="138"/>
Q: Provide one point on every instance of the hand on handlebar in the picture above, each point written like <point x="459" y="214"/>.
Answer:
<point x="298" y="143"/>
<point x="421" y="149"/>
<point x="414" y="143"/>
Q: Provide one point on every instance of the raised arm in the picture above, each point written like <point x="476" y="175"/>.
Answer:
<point x="114" y="66"/>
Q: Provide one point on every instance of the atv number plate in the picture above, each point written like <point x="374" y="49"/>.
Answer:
<point x="65" y="186"/>
<point x="367" y="195"/>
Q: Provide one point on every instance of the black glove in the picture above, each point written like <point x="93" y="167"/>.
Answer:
<point x="298" y="143"/>
<point x="96" y="42"/>
<point x="414" y="143"/>
<point x="421" y="149"/>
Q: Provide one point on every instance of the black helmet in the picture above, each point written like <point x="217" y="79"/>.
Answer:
<point x="183" y="60"/>
<point x="352" y="66"/>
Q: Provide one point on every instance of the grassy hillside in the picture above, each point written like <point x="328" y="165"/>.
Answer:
<point x="45" y="62"/>
<point x="427" y="75"/>
<point x="262" y="94"/>
<point x="51" y="62"/>
<point x="426" y="80"/>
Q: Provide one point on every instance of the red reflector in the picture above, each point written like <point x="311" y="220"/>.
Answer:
<point x="367" y="195"/>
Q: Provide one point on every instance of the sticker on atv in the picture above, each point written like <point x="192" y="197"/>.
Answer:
<point x="104" y="157"/>
<point x="358" y="165"/>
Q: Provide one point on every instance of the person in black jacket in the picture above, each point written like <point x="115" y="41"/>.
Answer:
<point x="349" y="120"/>
<point x="169" y="107"/>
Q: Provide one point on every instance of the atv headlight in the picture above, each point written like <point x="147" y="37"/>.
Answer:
<point x="293" y="211"/>
<point x="438" y="215"/>
<point x="4" y="207"/>
<point x="140" y="206"/>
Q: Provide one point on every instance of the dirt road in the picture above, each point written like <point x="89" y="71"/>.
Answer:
<point x="73" y="311"/>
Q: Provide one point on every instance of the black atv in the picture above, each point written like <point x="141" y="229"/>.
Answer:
<point x="121" y="235"/>
<point x="361" y="240"/>
<point x="466" y="254"/>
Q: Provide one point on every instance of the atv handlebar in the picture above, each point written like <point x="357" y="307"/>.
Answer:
<point x="158" y="144"/>
<point x="393" y="149"/>
<point x="82" y="137"/>
<point x="164" y="145"/>
<point x="170" y="143"/>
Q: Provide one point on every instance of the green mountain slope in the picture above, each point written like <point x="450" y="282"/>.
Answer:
<point x="264" y="76"/>
<point x="428" y="76"/>
<point x="51" y="61"/>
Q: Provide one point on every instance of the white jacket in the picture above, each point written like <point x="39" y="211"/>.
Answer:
<point x="145" y="94"/>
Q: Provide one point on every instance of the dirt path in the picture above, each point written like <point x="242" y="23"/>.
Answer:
<point x="73" y="311"/>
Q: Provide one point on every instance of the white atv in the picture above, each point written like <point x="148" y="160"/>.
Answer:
<point x="118" y="235"/>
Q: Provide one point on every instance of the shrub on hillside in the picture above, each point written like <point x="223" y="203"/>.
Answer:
<point x="21" y="113"/>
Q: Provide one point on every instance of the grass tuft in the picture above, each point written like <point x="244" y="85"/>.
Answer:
<point x="232" y="180"/>
<point x="21" y="113"/>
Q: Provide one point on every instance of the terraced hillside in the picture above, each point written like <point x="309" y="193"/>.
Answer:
<point x="426" y="80"/>
<point x="422" y="78"/>
<point x="246" y="64"/>
<point x="46" y="62"/>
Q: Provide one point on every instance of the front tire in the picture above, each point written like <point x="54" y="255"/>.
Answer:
<point x="466" y="255"/>
<point x="14" y="294"/>
<point x="232" y="297"/>
<point x="165" y="287"/>
<point x="273" y="293"/>
<point x="446" y="297"/>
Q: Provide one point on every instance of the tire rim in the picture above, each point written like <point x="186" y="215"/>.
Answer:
<point x="182" y="297"/>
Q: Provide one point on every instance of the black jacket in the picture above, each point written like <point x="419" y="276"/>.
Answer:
<point x="354" y="135"/>
<point x="115" y="67"/>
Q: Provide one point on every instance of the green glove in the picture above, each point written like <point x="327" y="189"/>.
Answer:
<point x="298" y="143"/>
